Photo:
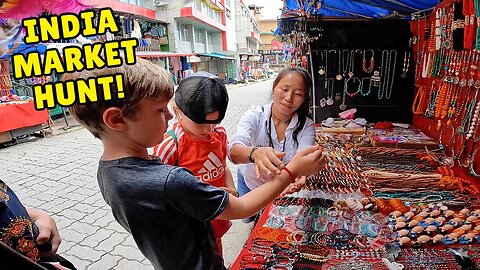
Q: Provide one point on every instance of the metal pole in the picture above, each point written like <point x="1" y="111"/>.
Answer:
<point x="314" y="106"/>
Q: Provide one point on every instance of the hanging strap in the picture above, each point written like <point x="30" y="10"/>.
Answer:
<point x="171" y="132"/>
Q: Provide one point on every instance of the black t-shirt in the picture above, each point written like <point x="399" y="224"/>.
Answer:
<point x="166" y="209"/>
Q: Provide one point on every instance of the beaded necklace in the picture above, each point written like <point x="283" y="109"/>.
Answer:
<point x="363" y="87"/>
<point x="372" y="62"/>
<point x="430" y="111"/>
<point x="477" y="14"/>
<point x="418" y="103"/>
<point x="359" y="88"/>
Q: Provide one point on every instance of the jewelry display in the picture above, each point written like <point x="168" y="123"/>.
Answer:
<point x="368" y="69"/>
<point x="406" y="65"/>
<point x="374" y="207"/>
<point x="330" y="90"/>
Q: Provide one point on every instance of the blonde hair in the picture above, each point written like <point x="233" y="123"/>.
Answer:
<point x="143" y="80"/>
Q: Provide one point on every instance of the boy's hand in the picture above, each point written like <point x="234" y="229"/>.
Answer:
<point x="232" y="191"/>
<point x="295" y="187"/>
<point x="307" y="161"/>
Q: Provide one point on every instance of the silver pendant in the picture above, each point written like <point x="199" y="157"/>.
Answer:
<point x="463" y="82"/>
<point x="477" y="84"/>
<point x="350" y="74"/>
<point x="339" y="77"/>
<point x="403" y="75"/>
<point x="471" y="82"/>
<point x="330" y="101"/>
<point x="321" y="71"/>
<point x="323" y="102"/>
<point x="459" y="130"/>
<point x="456" y="80"/>
<point x="343" y="107"/>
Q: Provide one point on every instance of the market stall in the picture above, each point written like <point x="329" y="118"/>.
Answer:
<point x="392" y="196"/>
<point x="18" y="116"/>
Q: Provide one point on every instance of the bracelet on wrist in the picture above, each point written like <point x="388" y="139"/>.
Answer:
<point x="250" y="155"/>
<point x="292" y="176"/>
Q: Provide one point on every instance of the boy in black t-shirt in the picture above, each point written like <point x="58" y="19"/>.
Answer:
<point x="165" y="208"/>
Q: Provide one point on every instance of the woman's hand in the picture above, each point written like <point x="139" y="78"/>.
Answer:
<point x="295" y="187"/>
<point x="48" y="232"/>
<point x="267" y="162"/>
<point x="307" y="161"/>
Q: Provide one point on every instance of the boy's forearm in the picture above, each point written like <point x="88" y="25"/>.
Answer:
<point x="254" y="201"/>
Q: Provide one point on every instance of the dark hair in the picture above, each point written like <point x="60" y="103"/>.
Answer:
<point x="143" y="80"/>
<point x="303" y="111"/>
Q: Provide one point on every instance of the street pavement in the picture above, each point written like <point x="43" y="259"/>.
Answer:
<point x="57" y="174"/>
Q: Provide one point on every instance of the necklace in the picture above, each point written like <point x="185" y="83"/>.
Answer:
<point x="471" y="167"/>
<point x="280" y="120"/>
<point x="388" y="71"/>
<point x="363" y="87"/>
<point x="324" y="69"/>
<point x="352" y="63"/>
<point x="343" y="106"/>
<point x="406" y="65"/>
<point x="372" y="62"/>
<point x="426" y="64"/>
<point x="321" y="70"/>
<point x="339" y="76"/>
<point x="330" y="89"/>
<point x="382" y="74"/>
<point x="359" y="88"/>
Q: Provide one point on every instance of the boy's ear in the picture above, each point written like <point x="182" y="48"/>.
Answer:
<point x="113" y="119"/>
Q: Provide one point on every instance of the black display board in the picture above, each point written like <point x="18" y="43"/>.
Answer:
<point x="387" y="37"/>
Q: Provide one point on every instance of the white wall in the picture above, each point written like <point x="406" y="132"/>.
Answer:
<point x="231" y="27"/>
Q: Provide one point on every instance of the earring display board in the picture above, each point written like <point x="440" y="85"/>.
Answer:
<point x="362" y="64"/>
<point x="447" y="79"/>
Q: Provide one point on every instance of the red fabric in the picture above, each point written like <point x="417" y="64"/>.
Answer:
<point x="383" y="125"/>
<point x="14" y="116"/>
<point x="261" y="221"/>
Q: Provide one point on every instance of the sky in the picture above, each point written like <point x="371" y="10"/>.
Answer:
<point x="271" y="8"/>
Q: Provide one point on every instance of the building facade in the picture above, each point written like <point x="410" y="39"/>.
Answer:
<point x="271" y="48"/>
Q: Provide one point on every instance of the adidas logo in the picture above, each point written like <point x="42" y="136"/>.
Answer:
<point x="212" y="168"/>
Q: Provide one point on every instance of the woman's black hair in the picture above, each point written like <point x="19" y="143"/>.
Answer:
<point x="303" y="111"/>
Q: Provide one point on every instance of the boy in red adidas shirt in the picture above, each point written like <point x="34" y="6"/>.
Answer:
<point x="196" y="141"/>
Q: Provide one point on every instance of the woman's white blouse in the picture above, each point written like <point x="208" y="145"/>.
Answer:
<point x="253" y="129"/>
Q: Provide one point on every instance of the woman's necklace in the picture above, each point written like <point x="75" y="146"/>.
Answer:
<point x="280" y="120"/>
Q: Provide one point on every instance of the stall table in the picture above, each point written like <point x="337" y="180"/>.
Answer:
<point x="17" y="119"/>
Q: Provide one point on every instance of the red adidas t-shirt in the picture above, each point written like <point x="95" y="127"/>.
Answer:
<point x="205" y="158"/>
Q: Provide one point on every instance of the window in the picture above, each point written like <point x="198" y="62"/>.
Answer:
<point x="185" y="33"/>
<point x="200" y="36"/>
<point x="197" y="4"/>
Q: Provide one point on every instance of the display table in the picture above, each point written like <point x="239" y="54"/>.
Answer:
<point x="412" y="214"/>
<point x="17" y="119"/>
<point x="401" y="138"/>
